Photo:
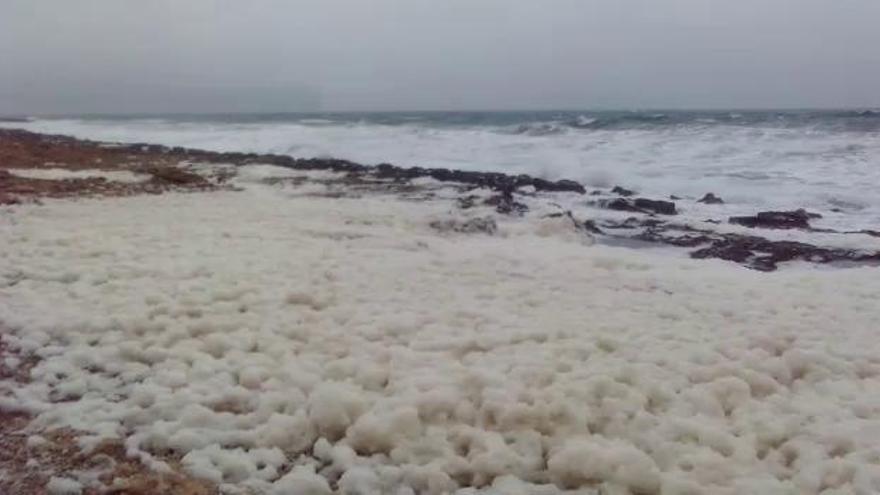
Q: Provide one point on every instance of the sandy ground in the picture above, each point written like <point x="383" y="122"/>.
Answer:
<point x="278" y="338"/>
<point x="34" y="166"/>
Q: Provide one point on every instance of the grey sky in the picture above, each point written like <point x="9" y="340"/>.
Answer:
<point x="262" y="55"/>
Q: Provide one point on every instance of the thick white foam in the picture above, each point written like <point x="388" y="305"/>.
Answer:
<point x="283" y="343"/>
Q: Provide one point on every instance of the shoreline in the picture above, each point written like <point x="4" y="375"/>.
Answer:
<point x="762" y="245"/>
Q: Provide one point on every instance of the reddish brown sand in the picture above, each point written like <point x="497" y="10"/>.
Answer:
<point x="22" y="149"/>
<point x="60" y="455"/>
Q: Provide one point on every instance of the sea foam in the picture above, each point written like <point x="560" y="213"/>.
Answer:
<point x="279" y="342"/>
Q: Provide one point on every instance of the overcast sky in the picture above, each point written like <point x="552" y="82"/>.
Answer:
<point x="68" y="56"/>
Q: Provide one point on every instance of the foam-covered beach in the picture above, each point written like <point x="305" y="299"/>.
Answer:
<point x="278" y="330"/>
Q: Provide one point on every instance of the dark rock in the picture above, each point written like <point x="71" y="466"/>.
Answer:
<point x="568" y="185"/>
<point x="674" y="197"/>
<point x="762" y="254"/>
<point x="648" y="222"/>
<point x="752" y="252"/>
<point x="491" y="180"/>
<point x="506" y="205"/>
<point x="621" y="204"/>
<point x="641" y="205"/>
<point x="590" y="226"/>
<point x="725" y="250"/>
<point x="332" y="165"/>
<point x="622" y="191"/>
<point x="797" y="219"/>
<point x="628" y="224"/>
<point x="687" y="240"/>
<point x="282" y="160"/>
<point x="173" y="176"/>
<point x="468" y="201"/>
<point x="656" y="206"/>
<point x="711" y="199"/>
<point x="496" y="181"/>
<point x="480" y="225"/>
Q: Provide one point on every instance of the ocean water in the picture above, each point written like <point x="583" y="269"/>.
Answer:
<point x="827" y="161"/>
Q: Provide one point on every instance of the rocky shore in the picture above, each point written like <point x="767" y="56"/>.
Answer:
<point x="649" y="220"/>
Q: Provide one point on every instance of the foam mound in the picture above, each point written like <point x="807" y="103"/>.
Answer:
<point x="278" y="343"/>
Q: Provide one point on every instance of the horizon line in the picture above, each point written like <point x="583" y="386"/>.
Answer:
<point x="474" y="110"/>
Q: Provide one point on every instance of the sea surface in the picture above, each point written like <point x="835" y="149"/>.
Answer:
<point x="825" y="161"/>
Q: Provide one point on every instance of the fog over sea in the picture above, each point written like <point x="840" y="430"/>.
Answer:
<point x="825" y="161"/>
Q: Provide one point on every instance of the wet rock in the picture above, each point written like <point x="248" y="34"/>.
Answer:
<point x="750" y="251"/>
<point x="628" y="224"/>
<point x="656" y="206"/>
<point x="480" y="225"/>
<point x="490" y="180"/>
<point x="797" y="219"/>
<point x="711" y="199"/>
<point x="567" y="185"/>
<point x="679" y="240"/>
<point x="330" y="164"/>
<point x="622" y="191"/>
<point x="621" y="204"/>
<point x="174" y="176"/>
<point x="724" y="250"/>
<point x="506" y="205"/>
<point x="466" y="202"/>
<point x="282" y="160"/>
<point x="650" y="222"/>
<point x="763" y="254"/>
<point x="590" y="226"/>
<point x="641" y="205"/>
